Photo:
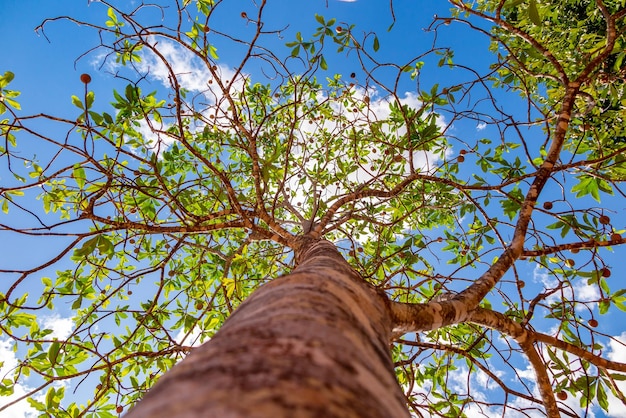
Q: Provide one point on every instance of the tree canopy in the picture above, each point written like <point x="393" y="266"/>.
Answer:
<point x="434" y="172"/>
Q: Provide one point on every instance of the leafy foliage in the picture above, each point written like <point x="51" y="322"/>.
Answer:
<point x="174" y="204"/>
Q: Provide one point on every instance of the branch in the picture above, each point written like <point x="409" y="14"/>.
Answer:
<point x="571" y="246"/>
<point x="506" y="325"/>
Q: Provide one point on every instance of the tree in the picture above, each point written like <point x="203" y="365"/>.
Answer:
<point x="327" y="220"/>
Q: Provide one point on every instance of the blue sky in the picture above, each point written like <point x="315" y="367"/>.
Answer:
<point x="47" y="73"/>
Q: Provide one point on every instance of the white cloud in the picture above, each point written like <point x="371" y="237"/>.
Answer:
<point x="481" y="126"/>
<point x="191" y="73"/>
<point x="617" y="352"/>
<point x="61" y="327"/>
<point x="191" y="338"/>
<point x="21" y="409"/>
<point x="357" y="112"/>
<point x="578" y="291"/>
<point x="588" y="294"/>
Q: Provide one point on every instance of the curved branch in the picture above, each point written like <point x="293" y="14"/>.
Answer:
<point x="506" y="325"/>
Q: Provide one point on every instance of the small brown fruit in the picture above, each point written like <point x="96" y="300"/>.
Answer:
<point x="547" y="205"/>
<point x="606" y="272"/>
<point x="206" y="29"/>
<point x="119" y="409"/>
<point x="521" y="284"/>
<point x="575" y="250"/>
<point x="569" y="262"/>
<point x="616" y="237"/>
<point x="338" y="29"/>
<point x="460" y="158"/>
<point x="447" y="21"/>
<point x="199" y="306"/>
<point x="352" y="75"/>
<point x="561" y="395"/>
<point x="244" y="15"/>
<point x="463" y="152"/>
<point x="604" y="220"/>
<point x="593" y="323"/>
<point x="85" y="78"/>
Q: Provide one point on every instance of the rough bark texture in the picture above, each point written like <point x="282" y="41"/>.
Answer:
<point x="314" y="343"/>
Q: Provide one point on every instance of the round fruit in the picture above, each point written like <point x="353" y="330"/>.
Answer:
<point x="460" y="158"/>
<point x="119" y="409"/>
<point x="569" y="262"/>
<point x="338" y="29"/>
<point x="616" y="237"/>
<point x="352" y="75"/>
<point x="547" y="205"/>
<point x="606" y="272"/>
<point x="244" y="15"/>
<point x="521" y="284"/>
<point x="593" y="323"/>
<point x="604" y="220"/>
<point x="199" y="305"/>
<point x="85" y="78"/>
<point x="463" y="152"/>
<point x="561" y="395"/>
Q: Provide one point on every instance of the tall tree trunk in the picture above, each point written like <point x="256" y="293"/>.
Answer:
<point x="314" y="343"/>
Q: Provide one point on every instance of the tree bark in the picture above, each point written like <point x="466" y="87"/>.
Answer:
<point x="314" y="343"/>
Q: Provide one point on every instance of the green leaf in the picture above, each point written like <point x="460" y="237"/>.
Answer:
<point x="6" y="78"/>
<point x="77" y="303"/>
<point x="12" y="103"/>
<point x="79" y="176"/>
<point x="376" y="43"/>
<point x="53" y="352"/>
<point x="323" y="64"/>
<point x="601" y="396"/>
<point x="213" y="52"/>
<point x="89" y="99"/>
<point x="87" y="248"/>
<point x="105" y="246"/>
<point x="533" y="13"/>
<point x="77" y="102"/>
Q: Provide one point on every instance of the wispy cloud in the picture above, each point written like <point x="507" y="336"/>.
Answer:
<point x="617" y="352"/>
<point x="21" y="409"/>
